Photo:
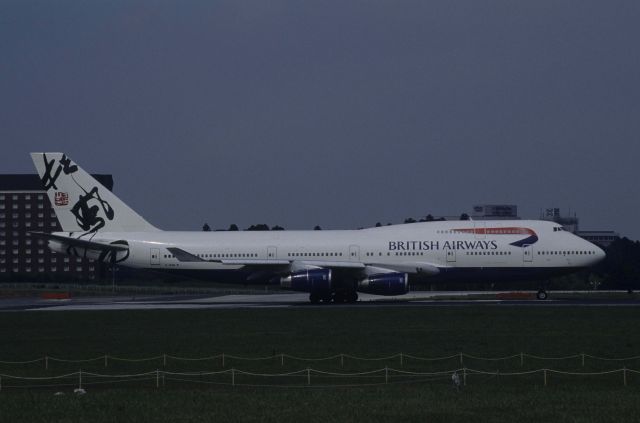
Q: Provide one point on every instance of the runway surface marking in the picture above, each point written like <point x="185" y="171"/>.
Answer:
<point x="285" y="300"/>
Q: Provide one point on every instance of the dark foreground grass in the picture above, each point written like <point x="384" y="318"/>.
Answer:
<point x="422" y="403"/>
<point x="317" y="332"/>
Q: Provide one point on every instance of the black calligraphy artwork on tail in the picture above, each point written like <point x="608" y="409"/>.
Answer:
<point x="90" y="210"/>
<point x="64" y="165"/>
<point x="87" y="215"/>
<point x="115" y="256"/>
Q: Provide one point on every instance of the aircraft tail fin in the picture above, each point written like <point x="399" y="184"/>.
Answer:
<point x="80" y="202"/>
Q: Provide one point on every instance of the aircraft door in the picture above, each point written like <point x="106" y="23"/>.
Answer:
<point x="154" y="256"/>
<point x="272" y="253"/>
<point x="354" y="253"/>
<point x="527" y="254"/>
<point x="451" y="255"/>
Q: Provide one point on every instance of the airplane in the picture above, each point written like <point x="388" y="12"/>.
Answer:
<point x="330" y="265"/>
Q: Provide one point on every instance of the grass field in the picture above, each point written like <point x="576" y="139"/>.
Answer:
<point x="319" y="332"/>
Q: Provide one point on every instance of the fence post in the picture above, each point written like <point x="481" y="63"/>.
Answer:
<point x="401" y="360"/>
<point x="461" y="362"/>
<point x="282" y="359"/>
<point x="582" y="359"/>
<point x="222" y="359"/>
<point x="341" y="360"/>
<point x="233" y="377"/>
<point x="545" y="377"/>
<point x="46" y="362"/>
<point x="157" y="379"/>
<point x="521" y="359"/>
<point x="386" y="375"/>
<point x="105" y="360"/>
<point x="308" y="376"/>
<point x="80" y="379"/>
<point x="164" y="360"/>
<point x="624" y="375"/>
<point x="464" y="376"/>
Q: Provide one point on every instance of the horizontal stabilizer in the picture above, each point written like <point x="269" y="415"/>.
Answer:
<point x="80" y="243"/>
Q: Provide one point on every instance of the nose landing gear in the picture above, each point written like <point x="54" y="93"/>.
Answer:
<point x="542" y="294"/>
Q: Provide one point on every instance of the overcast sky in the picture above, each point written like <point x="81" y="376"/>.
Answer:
<point x="332" y="113"/>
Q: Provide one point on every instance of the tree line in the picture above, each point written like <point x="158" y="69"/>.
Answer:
<point x="621" y="267"/>
<point x="265" y="227"/>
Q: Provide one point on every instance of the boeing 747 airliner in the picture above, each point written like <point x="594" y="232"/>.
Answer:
<point x="329" y="265"/>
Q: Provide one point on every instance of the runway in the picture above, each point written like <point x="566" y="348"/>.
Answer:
<point x="300" y="300"/>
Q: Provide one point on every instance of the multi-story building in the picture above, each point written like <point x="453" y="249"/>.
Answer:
<point x="495" y="212"/>
<point x="25" y="207"/>
<point x="572" y="224"/>
<point x="569" y="223"/>
<point x="601" y="238"/>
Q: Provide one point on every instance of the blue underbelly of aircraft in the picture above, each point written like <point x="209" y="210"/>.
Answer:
<point x="457" y="274"/>
<point x="495" y="274"/>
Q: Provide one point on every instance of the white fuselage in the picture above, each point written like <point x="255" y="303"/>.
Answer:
<point x="419" y="248"/>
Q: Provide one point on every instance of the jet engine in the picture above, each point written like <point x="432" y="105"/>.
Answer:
<point x="385" y="284"/>
<point x="315" y="281"/>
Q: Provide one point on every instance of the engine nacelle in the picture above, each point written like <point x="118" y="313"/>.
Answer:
<point x="315" y="281"/>
<point x="385" y="284"/>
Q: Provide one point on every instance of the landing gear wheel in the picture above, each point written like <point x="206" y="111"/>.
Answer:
<point x="314" y="298"/>
<point x="541" y="295"/>
<point x="338" y="297"/>
<point x="327" y="299"/>
<point x="352" y="297"/>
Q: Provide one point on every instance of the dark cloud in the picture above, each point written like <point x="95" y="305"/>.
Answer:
<point x="333" y="113"/>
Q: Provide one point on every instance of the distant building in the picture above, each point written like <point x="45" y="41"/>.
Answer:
<point x="495" y="212"/>
<point x="571" y="224"/>
<point x="25" y="207"/>
<point x="601" y="238"/>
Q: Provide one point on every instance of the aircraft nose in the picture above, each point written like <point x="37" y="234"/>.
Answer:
<point x="600" y="254"/>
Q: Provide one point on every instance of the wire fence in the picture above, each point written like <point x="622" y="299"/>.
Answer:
<point x="402" y="358"/>
<point x="305" y="378"/>
<point x="287" y="370"/>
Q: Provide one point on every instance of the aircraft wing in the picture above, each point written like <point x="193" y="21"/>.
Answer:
<point x="185" y="256"/>
<point x="329" y="264"/>
<point x="422" y="267"/>
<point x="406" y="267"/>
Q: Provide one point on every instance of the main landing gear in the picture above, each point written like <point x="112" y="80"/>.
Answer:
<point x="542" y="294"/>
<point x="336" y="297"/>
